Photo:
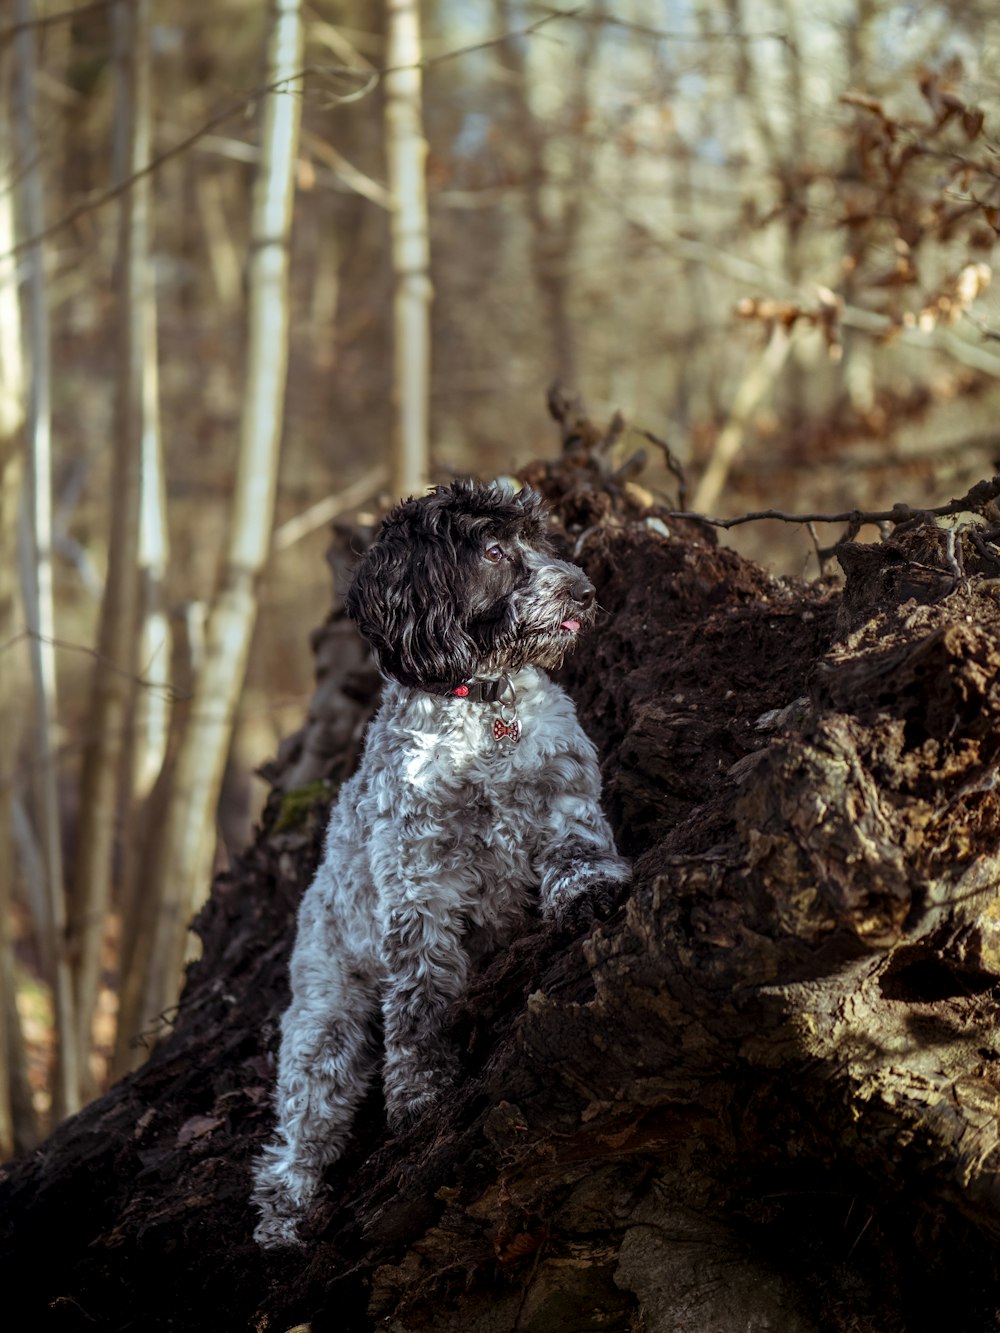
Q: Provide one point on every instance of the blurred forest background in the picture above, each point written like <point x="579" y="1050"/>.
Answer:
<point x="761" y="231"/>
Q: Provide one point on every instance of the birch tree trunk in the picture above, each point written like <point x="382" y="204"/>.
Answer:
<point x="103" y="793"/>
<point x="407" y="155"/>
<point x="36" y="566"/>
<point x="153" y="702"/>
<point x="181" y="872"/>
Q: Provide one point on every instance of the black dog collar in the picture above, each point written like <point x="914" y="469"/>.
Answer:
<point x="483" y="690"/>
<point x="489" y="690"/>
<point x="479" y="690"/>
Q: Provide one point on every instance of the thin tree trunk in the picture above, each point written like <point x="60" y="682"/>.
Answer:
<point x="181" y="874"/>
<point x="102" y="787"/>
<point x="11" y="470"/>
<point x="152" y="703"/>
<point x="152" y="728"/>
<point x="407" y="155"/>
<point x="37" y="567"/>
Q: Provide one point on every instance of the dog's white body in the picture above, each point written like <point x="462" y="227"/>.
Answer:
<point x="438" y="850"/>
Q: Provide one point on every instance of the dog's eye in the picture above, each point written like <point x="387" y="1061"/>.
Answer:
<point x="494" y="554"/>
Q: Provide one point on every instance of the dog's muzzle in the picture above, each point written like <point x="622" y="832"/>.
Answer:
<point x="582" y="596"/>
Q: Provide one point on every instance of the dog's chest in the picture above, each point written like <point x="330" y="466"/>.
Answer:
<point x="476" y="806"/>
<point x="494" y="792"/>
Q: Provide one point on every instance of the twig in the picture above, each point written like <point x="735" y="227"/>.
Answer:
<point x="667" y="35"/>
<point x="614" y="432"/>
<point x="529" y="31"/>
<point x="821" y="554"/>
<point x="986" y="550"/>
<point x="988" y="334"/>
<point x="324" y="511"/>
<point x="673" y="463"/>
<point x="347" y="172"/>
<point x="980" y="494"/>
<point x="31" y="635"/>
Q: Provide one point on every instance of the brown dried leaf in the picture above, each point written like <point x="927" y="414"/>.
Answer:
<point x="865" y="102"/>
<point x="972" y="121"/>
<point x="508" y="1249"/>
<point x="197" y="1127"/>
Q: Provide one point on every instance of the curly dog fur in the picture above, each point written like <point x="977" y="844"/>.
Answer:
<point x="476" y="803"/>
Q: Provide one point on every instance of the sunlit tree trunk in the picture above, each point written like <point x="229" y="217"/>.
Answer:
<point x="37" y="566"/>
<point x="152" y="727"/>
<point x="102" y="796"/>
<point x="180" y="877"/>
<point x="407" y="155"/>
<point x="153" y="704"/>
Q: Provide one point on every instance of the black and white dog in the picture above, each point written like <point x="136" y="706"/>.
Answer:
<point x="477" y="799"/>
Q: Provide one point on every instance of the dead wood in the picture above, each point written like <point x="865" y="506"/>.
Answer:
<point x="765" y="1094"/>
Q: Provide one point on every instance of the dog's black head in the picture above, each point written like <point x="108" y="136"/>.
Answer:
<point x="464" y="582"/>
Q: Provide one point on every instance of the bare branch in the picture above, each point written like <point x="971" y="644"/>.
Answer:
<point x="673" y="464"/>
<point x="65" y="645"/>
<point x="485" y="45"/>
<point x="980" y="494"/>
<point x="326" y="510"/>
<point x="664" y="34"/>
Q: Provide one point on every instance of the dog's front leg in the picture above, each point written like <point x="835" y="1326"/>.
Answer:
<point x="325" y="1066"/>
<point x="425" y="969"/>
<point x="580" y="872"/>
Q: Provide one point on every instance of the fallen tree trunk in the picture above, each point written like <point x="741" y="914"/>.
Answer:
<point x="765" y="1094"/>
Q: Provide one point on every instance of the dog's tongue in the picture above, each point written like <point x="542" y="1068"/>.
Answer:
<point x="571" y="625"/>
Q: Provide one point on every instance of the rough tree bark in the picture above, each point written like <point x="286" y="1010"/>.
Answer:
<point x="764" y="1095"/>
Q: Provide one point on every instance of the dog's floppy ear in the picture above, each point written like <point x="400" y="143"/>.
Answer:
<point x="404" y="600"/>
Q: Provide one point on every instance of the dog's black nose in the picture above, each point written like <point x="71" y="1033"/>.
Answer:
<point x="582" y="591"/>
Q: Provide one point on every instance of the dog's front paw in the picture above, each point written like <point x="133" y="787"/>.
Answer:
<point x="274" y="1232"/>
<point x="404" y="1115"/>
<point x="594" y="903"/>
<point x="283" y="1190"/>
<point x="578" y="890"/>
<point x="408" y="1099"/>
